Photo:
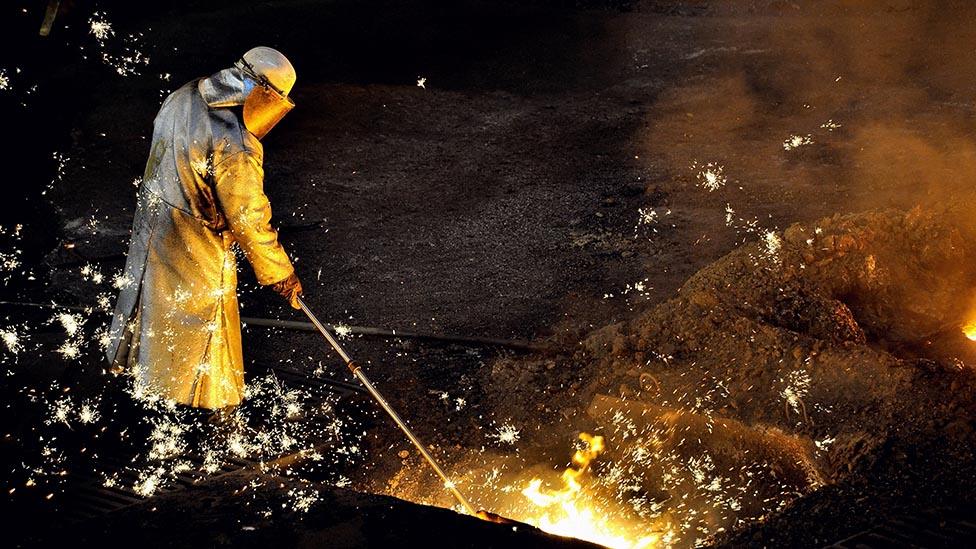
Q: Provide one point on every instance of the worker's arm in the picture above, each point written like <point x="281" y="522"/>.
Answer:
<point x="239" y="186"/>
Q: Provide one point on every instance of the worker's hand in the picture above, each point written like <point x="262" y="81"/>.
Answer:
<point x="289" y="288"/>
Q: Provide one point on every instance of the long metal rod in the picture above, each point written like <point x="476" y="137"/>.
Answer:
<point x="368" y="331"/>
<point x="358" y="372"/>
<point x="399" y="334"/>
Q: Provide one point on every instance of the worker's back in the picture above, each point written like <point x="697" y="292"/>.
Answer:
<point x="187" y="138"/>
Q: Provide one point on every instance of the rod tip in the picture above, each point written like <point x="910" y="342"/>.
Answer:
<point x="492" y="517"/>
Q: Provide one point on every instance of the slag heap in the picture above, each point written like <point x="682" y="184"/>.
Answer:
<point x="798" y="361"/>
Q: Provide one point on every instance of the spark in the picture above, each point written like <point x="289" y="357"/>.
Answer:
<point x="88" y="272"/>
<point x="711" y="176"/>
<point x="167" y="440"/>
<point x="507" y="434"/>
<point x="148" y="483"/>
<point x="211" y="461"/>
<point x="302" y="500"/>
<point x="61" y="411"/>
<point x="69" y="350"/>
<point x="797" y="387"/>
<point x="830" y="125"/>
<point x="100" y="28"/>
<point x="10" y="261"/>
<point x="772" y="244"/>
<point x="646" y="216"/>
<point x="825" y="443"/>
<point x="70" y="322"/>
<point x="87" y="414"/>
<point x="422" y="82"/>
<point x="12" y="340"/>
<point x="342" y="330"/>
<point x="796" y="141"/>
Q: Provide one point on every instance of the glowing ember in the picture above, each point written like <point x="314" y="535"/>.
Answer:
<point x="571" y="512"/>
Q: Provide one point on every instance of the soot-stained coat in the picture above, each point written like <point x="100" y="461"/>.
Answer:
<point x="176" y="327"/>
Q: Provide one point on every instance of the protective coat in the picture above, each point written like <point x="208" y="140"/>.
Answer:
<point x="176" y="327"/>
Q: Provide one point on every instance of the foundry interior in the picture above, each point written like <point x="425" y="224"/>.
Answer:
<point x="634" y="273"/>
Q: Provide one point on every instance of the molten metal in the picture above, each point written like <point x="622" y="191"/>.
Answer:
<point x="970" y="330"/>
<point x="569" y="512"/>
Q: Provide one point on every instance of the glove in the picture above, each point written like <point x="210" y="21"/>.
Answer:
<point x="289" y="288"/>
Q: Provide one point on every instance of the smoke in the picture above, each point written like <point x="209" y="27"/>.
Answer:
<point x="821" y="108"/>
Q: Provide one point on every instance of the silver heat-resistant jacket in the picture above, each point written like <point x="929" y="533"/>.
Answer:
<point x="176" y="327"/>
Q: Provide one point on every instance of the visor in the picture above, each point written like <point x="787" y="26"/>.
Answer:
<point x="263" y="108"/>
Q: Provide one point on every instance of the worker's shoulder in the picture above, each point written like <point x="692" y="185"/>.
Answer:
<point x="176" y="102"/>
<point x="230" y="137"/>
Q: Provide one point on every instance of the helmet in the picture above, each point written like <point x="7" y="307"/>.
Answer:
<point x="273" y="77"/>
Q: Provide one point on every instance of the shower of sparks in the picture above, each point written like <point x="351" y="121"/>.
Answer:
<point x="796" y="141"/>
<point x="711" y="176"/>
<point x="422" y="82"/>
<point x="274" y="420"/>
<point x="4" y="80"/>
<point x="126" y="58"/>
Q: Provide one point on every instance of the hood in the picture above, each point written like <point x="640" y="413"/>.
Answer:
<point x="224" y="88"/>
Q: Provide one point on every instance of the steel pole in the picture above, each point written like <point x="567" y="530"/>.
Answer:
<point x="358" y="373"/>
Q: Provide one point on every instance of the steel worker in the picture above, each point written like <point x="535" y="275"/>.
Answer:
<point x="176" y="327"/>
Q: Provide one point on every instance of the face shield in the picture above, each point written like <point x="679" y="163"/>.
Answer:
<point x="265" y="105"/>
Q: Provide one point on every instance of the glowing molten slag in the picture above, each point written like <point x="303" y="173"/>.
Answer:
<point x="970" y="330"/>
<point x="568" y="512"/>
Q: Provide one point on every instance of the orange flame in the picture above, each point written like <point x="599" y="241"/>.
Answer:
<point x="568" y="512"/>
